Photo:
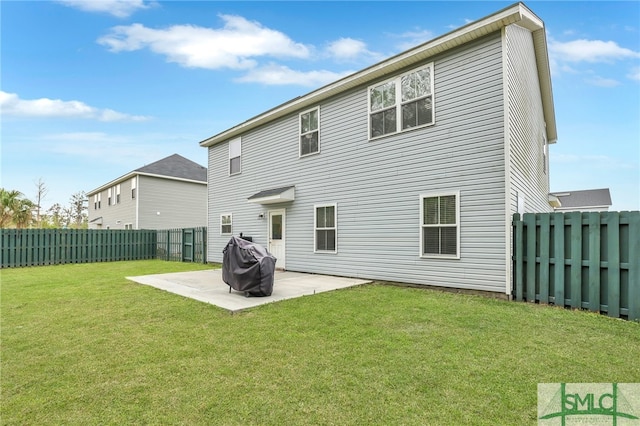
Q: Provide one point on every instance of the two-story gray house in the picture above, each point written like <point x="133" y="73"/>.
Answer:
<point x="408" y="171"/>
<point x="169" y="193"/>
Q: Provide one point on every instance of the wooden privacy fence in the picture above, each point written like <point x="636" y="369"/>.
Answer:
<point x="582" y="260"/>
<point x="183" y="245"/>
<point x="38" y="247"/>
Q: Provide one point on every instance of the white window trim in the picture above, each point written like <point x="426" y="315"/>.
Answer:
<point x="109" y="199"/>
<point x="300" y="134"/>
<point x="398" y="105"/>
<point x="315" y="226"/>
<point x="134" y="187"/>
<point x="231" y="224"/>
<point x="440" y="194"/>
<point x="117" y="197"/>
<point x="239" y="141"/>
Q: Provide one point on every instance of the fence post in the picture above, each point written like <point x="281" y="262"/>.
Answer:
<point x="613" y="264"/>
<point x="559" y="261"/>
<point x="204" y="244"/>
<point x="530" y="280"/>
<point x="594" y="261"/>
<point x="575" y="222"/>
<point x="544" y="258"/>
<point x="634" y="266"/>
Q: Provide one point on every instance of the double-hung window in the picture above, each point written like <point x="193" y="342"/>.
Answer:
<point x="402" y="103"/>
<point x="440" y="225"/>
<point x="225" y="223"/>
<point x="117" y="194"/>
<point x="134" y="183"/>
<point x="325" y="228"/>
<point x="235" y="156"/>
<point x="310" y="132"/>
<point x="109" y="197"/>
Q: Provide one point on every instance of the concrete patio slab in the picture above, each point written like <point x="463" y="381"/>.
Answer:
<point x="207" y="286"/>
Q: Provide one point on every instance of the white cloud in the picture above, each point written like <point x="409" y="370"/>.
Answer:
<point x="132" y="151"/>
<point x="348" y="49"/>
<point x="274" y="74"/>
<point x="414" y="38"/>
<point x="117" y="8"/>
<point x="11" y="104"/>
<point x="602" y="82"/>
<point x="589" y="51"/>
<point x="634" y="74"/>
<point x="592" y="161"/>
<point x="234" y="46"/>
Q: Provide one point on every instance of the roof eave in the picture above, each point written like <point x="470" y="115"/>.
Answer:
<point x="517" y="13"/>
<point x="136" y="173"/>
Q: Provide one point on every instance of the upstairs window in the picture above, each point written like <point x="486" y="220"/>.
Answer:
<point x="310" y="132"/>
<point x="403" y="103"/>
<point x="109" y="197"/>
<point x="95" y="201"/>
<point x="134" y="184"/>
<point x="326" y="237"/>
<point x="117" y="193"/>
<point x="235" y="156"/>
<point x="439" y="233"/>
<point x="225" y="223"/>
<point x="99" y="200"/>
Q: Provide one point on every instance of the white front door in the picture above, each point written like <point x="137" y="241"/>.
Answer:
<point x="276" y="236"/>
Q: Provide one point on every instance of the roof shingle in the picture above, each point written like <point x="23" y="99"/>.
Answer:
<point x="176" y="166"/>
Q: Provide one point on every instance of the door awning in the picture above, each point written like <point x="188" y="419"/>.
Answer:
<point x="272" y="196"/>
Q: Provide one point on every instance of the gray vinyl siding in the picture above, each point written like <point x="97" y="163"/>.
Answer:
<point x="114" y="216"/>
<point x="526" y="125"/>
<point x="180" y="204"/>
<point x="377" y="183"/>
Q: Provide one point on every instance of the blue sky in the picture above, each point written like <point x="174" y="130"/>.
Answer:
<point x="91" y="90"/>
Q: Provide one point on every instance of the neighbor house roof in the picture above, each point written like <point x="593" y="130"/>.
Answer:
<point x="514" y="14"/>
<point x="174" y="167"/>
<point x="589" y="198"/>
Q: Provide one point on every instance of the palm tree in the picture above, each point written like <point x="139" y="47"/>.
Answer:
<point x="23" y="216"/>
<point x="14" y="209"/>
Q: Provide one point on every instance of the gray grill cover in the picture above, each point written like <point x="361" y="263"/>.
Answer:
<point x="248" y="267"/>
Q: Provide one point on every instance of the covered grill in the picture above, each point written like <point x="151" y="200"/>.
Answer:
<point x="248" y="267"/>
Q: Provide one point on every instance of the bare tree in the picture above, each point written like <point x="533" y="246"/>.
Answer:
<point x="41" y="193"/>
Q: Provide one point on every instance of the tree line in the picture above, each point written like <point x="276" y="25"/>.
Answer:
<point x="17" y="211"/>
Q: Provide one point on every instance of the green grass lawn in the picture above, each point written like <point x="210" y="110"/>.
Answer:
<point x="83" y="345"/>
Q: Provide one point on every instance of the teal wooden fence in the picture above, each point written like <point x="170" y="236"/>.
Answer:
<point x="580" y="260"/>
<point x="183" y="245"/>
<point x="38" y="247"/>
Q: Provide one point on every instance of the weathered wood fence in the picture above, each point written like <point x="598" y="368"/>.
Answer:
<point x="38" y="247"/>
<point x="581" y="260"/>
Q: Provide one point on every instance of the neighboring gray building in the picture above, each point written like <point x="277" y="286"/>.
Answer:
<point x="170" y="193"/>
<point x="409" y="170"/>
<point x="588" y="200"/>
